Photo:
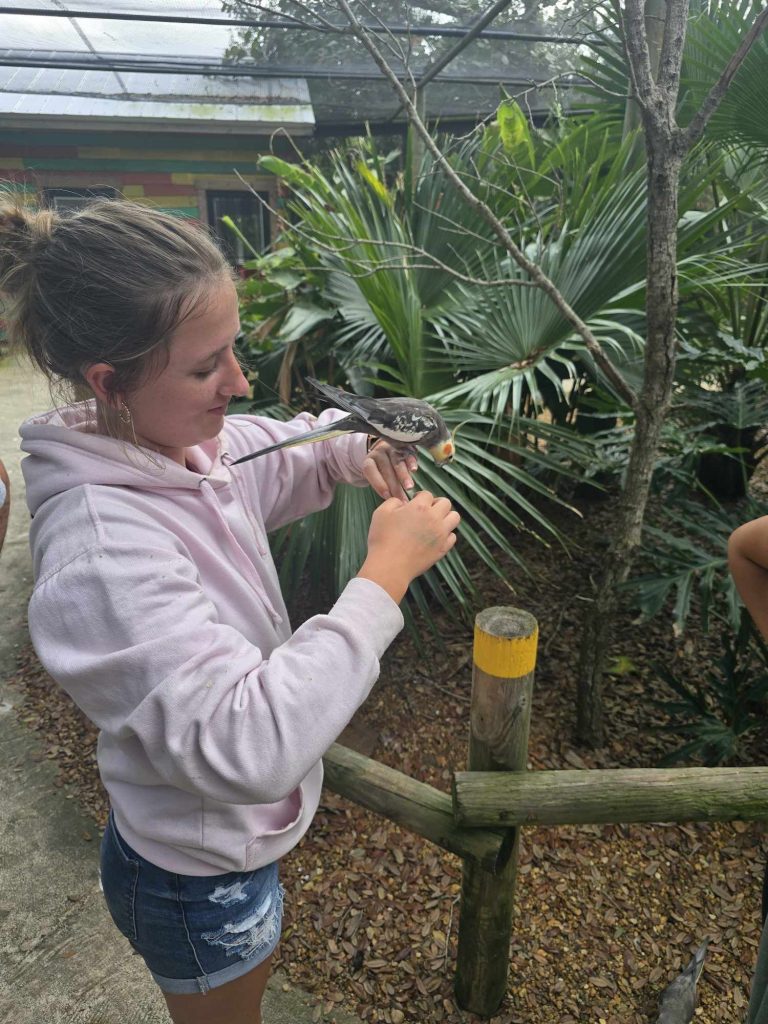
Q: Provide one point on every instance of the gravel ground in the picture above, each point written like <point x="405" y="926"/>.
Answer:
<point x="606" y="916"/>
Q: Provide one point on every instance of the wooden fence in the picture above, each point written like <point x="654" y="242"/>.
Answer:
<point x="480" y="821"/>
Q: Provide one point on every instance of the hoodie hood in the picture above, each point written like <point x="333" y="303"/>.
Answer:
<point x="64" y="452"/>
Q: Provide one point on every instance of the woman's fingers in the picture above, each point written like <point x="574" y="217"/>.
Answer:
<point x="391" y="470"/>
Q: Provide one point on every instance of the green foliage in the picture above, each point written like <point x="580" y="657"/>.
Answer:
<point x="369" y="273"/>
<point x="714" y="32"/>
<point x="687" y="551"/>
<point x="715" y="29"/>
<point x="717" y="713"/>
<point x="390" y="285"/>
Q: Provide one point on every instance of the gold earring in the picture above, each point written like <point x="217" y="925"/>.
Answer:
<point x="125" y="414"/>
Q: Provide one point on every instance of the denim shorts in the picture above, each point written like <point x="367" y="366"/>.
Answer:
<point x="194" y="933"/>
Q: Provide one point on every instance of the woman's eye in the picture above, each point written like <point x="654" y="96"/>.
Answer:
<point x="202" y="374"/>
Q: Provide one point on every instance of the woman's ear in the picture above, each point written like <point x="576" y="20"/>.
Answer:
<point x="99" y="377"/>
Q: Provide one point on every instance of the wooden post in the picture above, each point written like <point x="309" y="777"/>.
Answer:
<point x="502" y="685"/>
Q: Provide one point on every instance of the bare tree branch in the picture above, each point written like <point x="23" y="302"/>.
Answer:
<point x="402" y="52"/>
<point x="320" y="24"/>
<point x="671" y="60"/>
<point x="638" y="56"/>
<point x="532" y="269"/>
<point x="699" y="121"/>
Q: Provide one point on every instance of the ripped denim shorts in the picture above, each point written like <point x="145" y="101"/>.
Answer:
<point x="194" y="933"/>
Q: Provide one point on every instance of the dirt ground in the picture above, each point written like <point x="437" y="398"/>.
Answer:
<point x="605" y="916"/>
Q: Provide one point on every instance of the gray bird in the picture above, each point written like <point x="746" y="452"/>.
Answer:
<point x="406" y="423"/>
<point x="678" y="1001"/>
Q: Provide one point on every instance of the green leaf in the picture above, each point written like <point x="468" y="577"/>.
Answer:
<point x="301" y="319"/>
<point x="288" y="172"/>
<point x="514" y="130"/>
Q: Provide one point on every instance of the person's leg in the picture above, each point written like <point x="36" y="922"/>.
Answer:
<point x="237" y="1002"/>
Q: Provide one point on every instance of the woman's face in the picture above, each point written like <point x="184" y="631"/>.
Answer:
<point x="185" y="403"/>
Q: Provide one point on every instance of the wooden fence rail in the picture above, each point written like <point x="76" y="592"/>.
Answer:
<point x="414" y="805"/>
<point x="480" y="821"/>
<point x="610" y="796"/>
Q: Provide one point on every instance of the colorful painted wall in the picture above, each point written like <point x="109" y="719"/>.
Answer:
<point x="171" y="171"/>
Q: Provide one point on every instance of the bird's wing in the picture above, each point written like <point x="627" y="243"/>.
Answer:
<point x="403" y="420"/>
<point x="346" y="426"/>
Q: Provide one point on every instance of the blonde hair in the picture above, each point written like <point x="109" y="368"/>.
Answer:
<point x="110" y="283"/>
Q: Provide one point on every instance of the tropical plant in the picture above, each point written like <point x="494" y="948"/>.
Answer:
<point x="686" y="556"/>
<point x="405" y="291"/>
<point x="396" y="286"/>
<point x="717" y="713"/>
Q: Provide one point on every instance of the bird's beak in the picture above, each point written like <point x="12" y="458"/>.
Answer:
<point x="442" y="453"/>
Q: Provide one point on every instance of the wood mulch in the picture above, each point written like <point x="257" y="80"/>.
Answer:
<point x="606" y="916"/>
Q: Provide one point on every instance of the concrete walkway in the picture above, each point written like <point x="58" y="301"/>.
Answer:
<point x="62" y="961"/>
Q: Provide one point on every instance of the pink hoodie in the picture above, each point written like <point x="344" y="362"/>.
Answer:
<point x="157" y="607"/>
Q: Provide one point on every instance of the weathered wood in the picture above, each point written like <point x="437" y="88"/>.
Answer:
<point x="414" y="805"/>
<point x="610" y="796"/>
<point x="502" y="682"/>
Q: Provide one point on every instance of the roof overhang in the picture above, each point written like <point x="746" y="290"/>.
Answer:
<point x="41" y="111"/>
<point x="36" y="97"/>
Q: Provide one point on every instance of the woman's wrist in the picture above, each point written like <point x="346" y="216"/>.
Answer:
<point x="388" y="576"/>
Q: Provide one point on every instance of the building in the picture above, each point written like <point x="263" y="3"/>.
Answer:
<point x="172" y="104"/>
<point x="188" y="144"/>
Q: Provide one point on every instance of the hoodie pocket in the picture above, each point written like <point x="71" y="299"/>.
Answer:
<point x="283" y="818"/>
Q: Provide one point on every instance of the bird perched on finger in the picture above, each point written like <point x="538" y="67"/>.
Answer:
<point x="406" y="423"/>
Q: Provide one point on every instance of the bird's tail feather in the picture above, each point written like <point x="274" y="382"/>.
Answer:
<point x="321" y="434"/>
<point x="329" y="391"/>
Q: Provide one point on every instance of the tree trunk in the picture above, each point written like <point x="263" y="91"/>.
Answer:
<point x="661" y="311"/>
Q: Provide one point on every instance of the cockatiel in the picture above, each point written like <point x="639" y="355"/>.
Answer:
<point x="406" y="423"/>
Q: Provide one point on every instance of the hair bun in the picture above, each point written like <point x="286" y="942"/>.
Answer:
<point x="23" y="232"/>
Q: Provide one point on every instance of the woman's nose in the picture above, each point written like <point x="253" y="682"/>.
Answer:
<point x="237" y="382"/>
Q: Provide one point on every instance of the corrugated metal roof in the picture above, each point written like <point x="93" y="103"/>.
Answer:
<point x="132" y="84"/>
<point x="173" y="102"/>
<point x="212" y="117"/>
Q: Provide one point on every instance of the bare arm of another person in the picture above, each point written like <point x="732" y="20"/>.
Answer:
<point x="5" y="502"/>
<point x="748" y="562"/>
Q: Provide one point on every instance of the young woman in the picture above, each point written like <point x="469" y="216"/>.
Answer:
<point x="156" y="602"/>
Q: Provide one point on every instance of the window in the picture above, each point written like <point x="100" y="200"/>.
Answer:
<point x="250" y="216"/>
<point x="68" y="200"/>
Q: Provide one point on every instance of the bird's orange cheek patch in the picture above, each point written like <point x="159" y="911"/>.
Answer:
<point x="448" y="450"/>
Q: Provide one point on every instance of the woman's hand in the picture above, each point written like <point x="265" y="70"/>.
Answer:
<point x="406" y="539"/>
<point x="388" y="470"/>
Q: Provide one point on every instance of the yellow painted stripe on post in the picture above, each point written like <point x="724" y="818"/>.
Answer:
<point x="11" y="163"/>
<point x="183" y="178"/>
<point x="503" y="656"/>
<point x="131" y="191"/>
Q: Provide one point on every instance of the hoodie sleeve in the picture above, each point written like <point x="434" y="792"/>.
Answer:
<point x="214" y="715"/>
<point x="294" y="482"/>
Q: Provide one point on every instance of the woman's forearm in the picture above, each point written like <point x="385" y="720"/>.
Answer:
<point x="748" y="562"/>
